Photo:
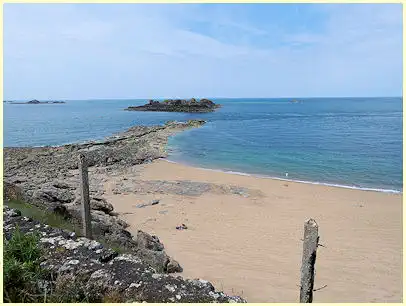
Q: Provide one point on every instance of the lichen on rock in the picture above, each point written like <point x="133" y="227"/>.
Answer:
<point x="80" y="269"/>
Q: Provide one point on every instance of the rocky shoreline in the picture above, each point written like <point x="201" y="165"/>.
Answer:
<point x="84" y="269"/>
<point x="48" y="177"/>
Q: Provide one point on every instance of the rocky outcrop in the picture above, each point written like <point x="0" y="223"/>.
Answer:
<point x="93" y="273"/>
<point x="178" y="105"/>
<point x="55" y="168"/>
<point x="179" y="187"/>
<point x="48" y="177"/>
<point x="105" y="225"/>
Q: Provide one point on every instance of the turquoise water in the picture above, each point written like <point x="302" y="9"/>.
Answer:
<point x="354" y="142"/>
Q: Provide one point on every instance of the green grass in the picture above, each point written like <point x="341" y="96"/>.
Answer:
<point x="44" y="216"/>
<point x="22" y="274"/>
<point x="21" y="268"/>
<point x="57" y="221"/>
<point x="21" y="262"/>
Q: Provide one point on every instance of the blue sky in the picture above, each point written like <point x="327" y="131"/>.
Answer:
<point x="84" y="51"/>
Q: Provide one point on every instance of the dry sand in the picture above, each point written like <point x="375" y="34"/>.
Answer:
<point x="251" y="246"/>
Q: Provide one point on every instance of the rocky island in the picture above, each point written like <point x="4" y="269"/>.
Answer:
<point x="39" y="102"/>
<point x="177" y="105"/>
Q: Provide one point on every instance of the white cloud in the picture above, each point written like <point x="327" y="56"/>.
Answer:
<point x="77" y="51"/>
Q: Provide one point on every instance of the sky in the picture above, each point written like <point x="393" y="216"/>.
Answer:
<point x="118" y="51"/>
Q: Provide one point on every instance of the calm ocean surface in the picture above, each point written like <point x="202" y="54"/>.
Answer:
<point x="354" y="142"/>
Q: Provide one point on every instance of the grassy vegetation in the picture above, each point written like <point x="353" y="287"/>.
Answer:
<point x="58" y="221"/>
<point x="22" y="274"/>
<point x="44" y="216"/>
<point x="21" y="262"/>
<point x="21" y="269"/>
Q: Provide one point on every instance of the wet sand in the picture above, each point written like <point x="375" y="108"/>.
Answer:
<point x="251" y="245"/>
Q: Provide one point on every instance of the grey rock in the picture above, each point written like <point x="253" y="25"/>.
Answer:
<point x="47" y="177"/>
<point x="154" y="202"/>
<point x="101" y="204"/>
<point x="53" y="195"/>
<point x="18" y="180"/>
<point x="97" y="203"/>
<point x="148" y="241"/>
<point x="61" y="185"/>
<point x="89" y="270"/>
<point x="173" y="266"/>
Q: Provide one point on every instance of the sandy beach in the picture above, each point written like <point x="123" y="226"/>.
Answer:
<point x="250" y="243"/>
<point x="109" y="122"/>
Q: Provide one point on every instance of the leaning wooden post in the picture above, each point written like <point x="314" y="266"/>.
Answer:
<point x="310" y="243"/>
<point x="84" y="190"/>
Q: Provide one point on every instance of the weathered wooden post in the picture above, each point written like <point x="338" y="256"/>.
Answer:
<point x="310" y="243"/>
<point x="84" y="191"/>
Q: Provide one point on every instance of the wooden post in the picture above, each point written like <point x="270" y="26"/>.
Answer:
<point x="310" y="243"/>
<point x="84" y="192"/>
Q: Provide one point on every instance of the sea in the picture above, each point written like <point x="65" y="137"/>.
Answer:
<point x="345" y="142"/>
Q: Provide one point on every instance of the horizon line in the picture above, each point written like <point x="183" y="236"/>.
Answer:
<point x="161" y="98"/>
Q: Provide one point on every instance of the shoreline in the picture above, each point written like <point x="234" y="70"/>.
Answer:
<point x="167" y="158"/>
<point x="245" y="226"/>
<point x="255" y="236"/>
<point x="393" y="191"/>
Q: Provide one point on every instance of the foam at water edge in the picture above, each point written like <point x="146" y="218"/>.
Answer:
<point x="289" y="180"/>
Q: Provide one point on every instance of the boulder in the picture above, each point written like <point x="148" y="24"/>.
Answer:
<point x="97" y="203"/>
<point x="61" y="185"/>
<point x="52" y="194"/>
<point x="147" y="241"/>
<point x="101" y="204"/>
<point x="173" y="266"/>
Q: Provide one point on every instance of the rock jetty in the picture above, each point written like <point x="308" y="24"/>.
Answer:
<point x="177" y="105"/>
<point x="87" y="270"/>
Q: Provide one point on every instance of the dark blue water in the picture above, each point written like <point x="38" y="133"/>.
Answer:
<point x="344" y="141"/>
